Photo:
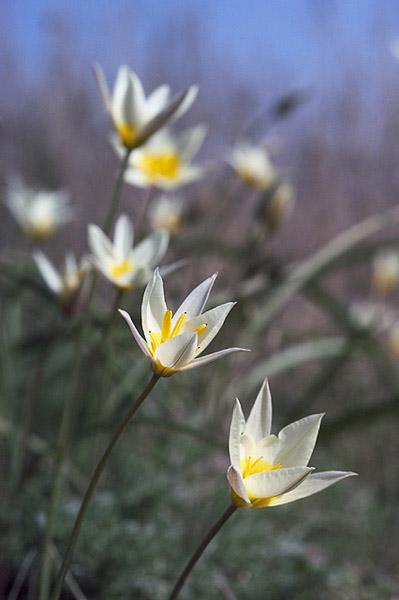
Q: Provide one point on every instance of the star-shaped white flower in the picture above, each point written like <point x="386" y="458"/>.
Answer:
<point x="66" y="284"/>
<point x="136" y="117"/>
<point x="121" y="263"/>
<point x="165" y="160"/>
<point x="269" y="470"/>
<point x="174" y="342"/>
<point x="39" y="213"/>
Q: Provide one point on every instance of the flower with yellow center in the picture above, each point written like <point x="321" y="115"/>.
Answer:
<point x="165" y="160"/>
<point x="167" y="213"/>
<point x="269" y="470"/>
<point x="121" y="263"/>
<point x="136" y="117"/>
<point x="252" y="164"/>
<point x="39" y="213"/>
<point x="386" y="271"/>
<point x="64" y="285"/>
<point x="173" y="342"/>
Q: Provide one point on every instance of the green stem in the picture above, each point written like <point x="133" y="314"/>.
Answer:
<point x="216" y="527"/>
<point x="93" y="482"/>
<point x="116" y="196"/>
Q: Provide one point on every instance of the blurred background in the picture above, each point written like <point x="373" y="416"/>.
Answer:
<point x="318" y="82"/>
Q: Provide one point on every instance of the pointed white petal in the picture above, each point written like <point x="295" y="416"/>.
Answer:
<point x="315" y="482"/>
<point x="100" y="245"/>
<point x="177" y="351"/>
<point x="140" y="342"/>
<point x="213" y="319"/>
<point x="48" y="272"/>
<point x="103" y="87"/>
<point x="167" y="269"/>
<point x="136" y="177"/>
<point x="151" y="250"/>
<point x="196" y="300"/>
<point x="274" y="483"/>
<point x="123" y="237"/>
<point x="236" y="483"/>
<point x="237" y="427"/>
<point x="297" y="441"/>
<point x="189" y="98"/>
<point x="153" y="306"/>
<point x="190" y="141"/>
<point x="203" y="360"/>
<point x="260" y="418"/>
<point x="157" y="101"/>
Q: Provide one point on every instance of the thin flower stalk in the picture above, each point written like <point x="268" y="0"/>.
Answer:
<point x="93" y="483"/>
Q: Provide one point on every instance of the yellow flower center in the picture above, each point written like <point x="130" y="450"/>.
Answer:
<point x="168" y="332"/>
<point x="160" y="165"/>
<point x="41" y="228"/>
<point x="127" y="133"/>
<point x="121" y="268"/>
<point x="251" y="466"/>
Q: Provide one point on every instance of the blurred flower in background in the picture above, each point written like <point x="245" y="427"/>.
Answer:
<point x="174" y="342"/>
<point x="64" y="285"/>
<point x="39" y="213"/>
<point x="132" y="113"/>
<point x="252" y="164"/>
<point x="165" y="160"/>
<point x="275" y="206"/>
<point x="166" y="212"/>
<point x="121" y="263"/>
<point x="268" y="470"/>
<point x="386" y="271"/>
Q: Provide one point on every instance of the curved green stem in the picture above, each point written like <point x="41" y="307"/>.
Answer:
<point x="116" y="196"/>
<point x="216" y="527"/>
<point x="93" y="482"/>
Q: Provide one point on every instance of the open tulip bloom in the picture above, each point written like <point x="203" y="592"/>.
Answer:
<point x="124" y="265"/>
<point x="165" y="160"/>
<point x="134" y="116"/>
<point x="39" y="213"/>
<point x="174" y="342"/>
<point x="66" y="284"/>
<point x="269" y="470"/>
<point x="252" y="164"/>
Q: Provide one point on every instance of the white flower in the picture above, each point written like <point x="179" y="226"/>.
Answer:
<point x="134" y="116"/>
<point x="386" y="271"/>
<point x="66" y="284"/>
<point x="269" y="470"/>
<point x="252" y="164"/>
<point x="118" y="261"/>
<point x="166" y="213"/>
<point x="165" y="160"/>
<point x="39" y="213"/>
<point x="174" y="342"/>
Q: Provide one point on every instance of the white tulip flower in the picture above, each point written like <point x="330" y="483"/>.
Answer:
<point x="66" y="284"/>
<point x="167" y="213"/>
<point x="39" y="213"/>
<point x="269" y="470"/>
<point x="174" y="342"/>
<point x="124" y="265"/>
<point x="165" y="160"/>
<point x="136" y="117"/>
<point x="386" y="271"/>
<point x="252" y="164"/>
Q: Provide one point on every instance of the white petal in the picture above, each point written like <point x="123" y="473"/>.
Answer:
<point x="274" y="483"/>
<point x="157" y="100"/>
<point x="100" y="245"/>
<point x="190" y="140"/>
<point x="213" y="319"/>
<point x="151" y="250"/>
<point x="315" y="482"/>
<point x="127" y="98"/>
<point x="235" y="480"/>
<point x="196" y="300"/>
<point x="153" y="306"/>
<point x="137" y="178"/>
<point x="177" y="351"/>
<point x="237" y="427"/>
<point x="203" y="360"/>
<point x="189" y="98"/>
<point x="297" y="441"/>
<point x="140" y="342"/>
<point x="48" y="272"/>
<point x="123" y="237"/>
<point x="103" y="87"/>
<point x="260" y="418"/>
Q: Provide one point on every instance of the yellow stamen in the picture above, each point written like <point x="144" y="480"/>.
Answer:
<point x="179" y="324"/>
<point x="127" y="133"/>
<point x="166" y="325"/>
<point x="160" y="165"/>
<point x="251" y="466"/>
<point x="201" y="328"/>
<point x="122" y="268"/>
